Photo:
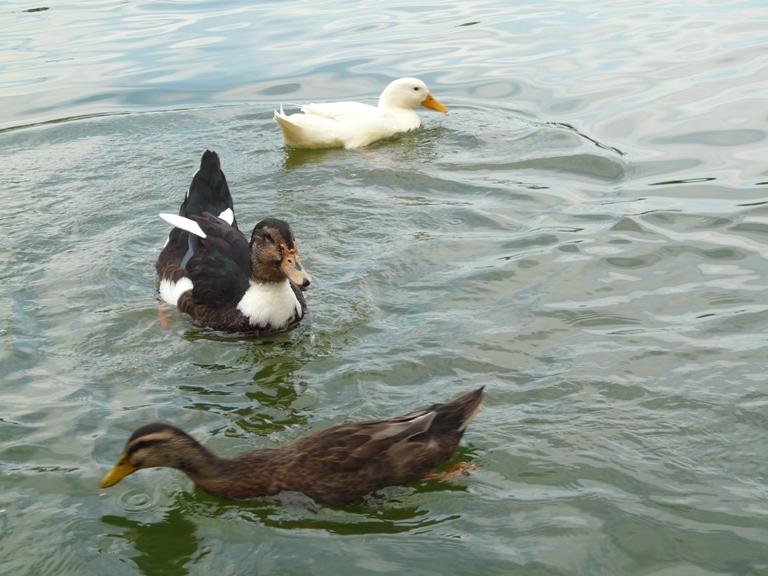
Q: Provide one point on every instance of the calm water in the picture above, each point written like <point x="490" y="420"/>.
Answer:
<point x="585" y="233"/>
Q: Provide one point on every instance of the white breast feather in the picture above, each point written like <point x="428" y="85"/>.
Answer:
<point x="274" y="304"/>
<point x="171" y="291"/>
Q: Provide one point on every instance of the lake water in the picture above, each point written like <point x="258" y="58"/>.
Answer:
<point x="584" y="233"/>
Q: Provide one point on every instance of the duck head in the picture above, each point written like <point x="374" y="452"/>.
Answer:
<point x="274" y="255"/>
<point x="156" y="445"/>
<point x="409" y="93"/>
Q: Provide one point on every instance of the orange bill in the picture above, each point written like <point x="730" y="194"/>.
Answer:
<point x="431" y="102"/>
<point x="292" y="268"/>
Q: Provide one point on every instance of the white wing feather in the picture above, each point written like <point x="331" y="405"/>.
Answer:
<point x="183" y="223"/>
<point x="228" y="216"/>
<point x="335" y="110"/>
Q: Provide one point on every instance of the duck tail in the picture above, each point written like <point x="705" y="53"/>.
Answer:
<point x="208" y="191"/>
<point x="282" y="118"/>
<point x="210" y="169"/>
<point x="291" y="132"/>
<point x="459" y="412"/>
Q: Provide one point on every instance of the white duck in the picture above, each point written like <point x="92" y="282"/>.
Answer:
<point x="353" y="124"/>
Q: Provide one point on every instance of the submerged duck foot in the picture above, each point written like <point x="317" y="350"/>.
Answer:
<point x="452" y="472"/>
<point x="163" y="318"/>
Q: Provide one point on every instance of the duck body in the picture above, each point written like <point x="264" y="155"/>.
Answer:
<point x="336" y="466"/>
<point x="230" y="284"/>
<point x="354" y="124"/>
<point x="211" y="271"/>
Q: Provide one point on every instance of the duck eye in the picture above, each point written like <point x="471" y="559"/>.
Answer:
<point x="416" y="88"/>
<point x="269" y="238"/>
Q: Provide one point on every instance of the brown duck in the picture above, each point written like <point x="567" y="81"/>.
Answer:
<point x="335" y="466"/>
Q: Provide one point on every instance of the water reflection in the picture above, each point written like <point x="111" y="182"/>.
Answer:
<point x="380" y="514"/>
<point x="256" y="390"/>
<point x="293" y="158"/>
<point x="162" y="548"/>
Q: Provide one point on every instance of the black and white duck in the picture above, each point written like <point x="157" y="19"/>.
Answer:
<point x="211" y="271"/>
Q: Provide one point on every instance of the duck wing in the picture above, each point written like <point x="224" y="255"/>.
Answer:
<point x="408" y="445"/>
<point x="218" y="260"/>
<point x="335" y="125"/>
<point x="339" y="110"/>
<point x="341" y="464"/>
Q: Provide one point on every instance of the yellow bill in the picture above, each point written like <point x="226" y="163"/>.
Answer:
<point x="431" y="102"/>
<point x="122" y="469"/>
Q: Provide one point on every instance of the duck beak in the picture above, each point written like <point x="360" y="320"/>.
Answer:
<point x="122" y="469"/>
<point x="292" y="268"/>
<point x="431" y="102"/>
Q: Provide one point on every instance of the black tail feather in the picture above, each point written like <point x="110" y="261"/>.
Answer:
<point x="208" y="191"/>
<point x="210" y="169"/>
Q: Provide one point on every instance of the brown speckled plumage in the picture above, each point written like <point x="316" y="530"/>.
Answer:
<point x="335" y="466"/>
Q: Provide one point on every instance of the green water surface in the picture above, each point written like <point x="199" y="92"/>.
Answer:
<point x="584" y="233"/>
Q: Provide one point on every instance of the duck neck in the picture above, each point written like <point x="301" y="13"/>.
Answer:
<point x="385" y="103"/>
<point x="238" y="478"/>
<point x="197" y="462"/>
<point x="212" y="474"/>
<point x="388" y="100"/>
<point x="405" y="117"/>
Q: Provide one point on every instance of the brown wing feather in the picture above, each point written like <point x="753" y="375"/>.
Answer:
<point x="344" y="463"/>
<point x="350" y="446"/>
